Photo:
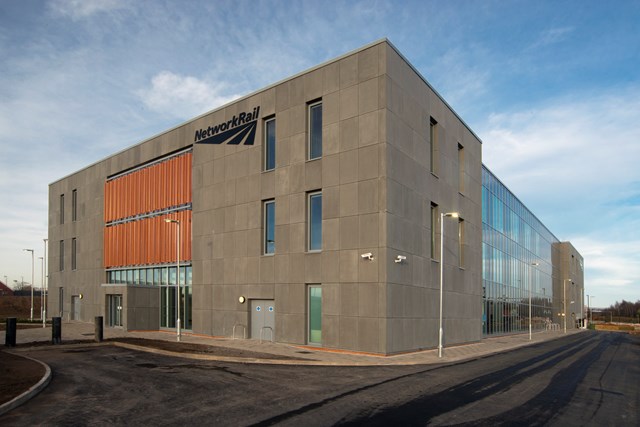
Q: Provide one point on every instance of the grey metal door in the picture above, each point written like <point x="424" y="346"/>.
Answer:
<point x="75" y="307"/>
<point x="263" y="319"/>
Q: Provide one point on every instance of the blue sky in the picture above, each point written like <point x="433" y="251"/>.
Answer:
<point x="551" y="87"/>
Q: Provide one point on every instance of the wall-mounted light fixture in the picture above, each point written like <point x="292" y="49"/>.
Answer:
<point x="368" y="256"/>
<point x="242" y="299"/>
<point x="400" y="259"/>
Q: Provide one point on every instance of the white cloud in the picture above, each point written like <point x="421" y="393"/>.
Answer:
<point x="79" y="9"/>
<point x="612" y="269"/>
<point x="585" y="145"/>
<point x="183" y="96"/>
<point x="460" y="75"/>
<point x="551" y="36"/>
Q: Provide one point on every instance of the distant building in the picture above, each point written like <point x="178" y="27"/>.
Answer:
<point x="5" y="290"/>
<point x="310" y="212"/>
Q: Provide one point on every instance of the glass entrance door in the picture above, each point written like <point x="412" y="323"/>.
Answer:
<point x="114" y="307"/>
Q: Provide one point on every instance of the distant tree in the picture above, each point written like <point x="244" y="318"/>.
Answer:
<point x="624" y="308"/>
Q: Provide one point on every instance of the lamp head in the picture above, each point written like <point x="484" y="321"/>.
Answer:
<point x="452" y="214"/>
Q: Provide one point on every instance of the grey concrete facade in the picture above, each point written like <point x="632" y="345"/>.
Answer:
<point x="380" y="174"/>
<point x="569" y="286"/>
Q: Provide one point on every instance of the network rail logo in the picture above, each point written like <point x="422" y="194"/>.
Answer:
<point x="239" y="129"/>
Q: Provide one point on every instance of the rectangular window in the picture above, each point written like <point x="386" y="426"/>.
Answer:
<point x="74" y="265"/>
<point x="434" y="229"/>
<point x="270" y="144"/>
<point x="460" y="242"/>
<point x="433" y="145"/>
<point x="269" y="227"/>
<point x="74" y="205"/>
<point x="61" y="301"/>
<point x="314" y="220"/>
<point x="460" y="168"/>
<point x="315" y="130"/>
<point x="61" y="255"/>
<point x="62" y="209"/>
<point x="314" y="310"/>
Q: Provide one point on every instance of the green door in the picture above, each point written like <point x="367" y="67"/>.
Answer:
<point x="315" y="314"/>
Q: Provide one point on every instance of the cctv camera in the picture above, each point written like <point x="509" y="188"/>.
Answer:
<point x="368" y="256"/>
<point x="400" y="258"/>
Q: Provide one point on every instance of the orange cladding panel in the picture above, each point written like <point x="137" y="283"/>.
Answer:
<point x="147" y="241"/>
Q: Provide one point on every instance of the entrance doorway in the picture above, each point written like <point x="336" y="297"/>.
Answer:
<point x="263" y="319"/>
<point x="114" y="308"/>
<point x="314" y="310"/>
<point x="75" y="307"/>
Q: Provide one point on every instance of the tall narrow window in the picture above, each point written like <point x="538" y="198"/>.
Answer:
<point x="61" y="255"/>
<point x="269" y="227"/>
<point x="61" y="301"/>
<point x="434" y="228"/>
<point x="269" y="144"/>
<point x="62" y="209"/>
<point x="314" y="213"/>
<point x="433" y="145"/>
<point x="460" y="242"/>
<point x="460" y="168"/>
<point x="74" y="205"/>
<point x="314" y="310"/>
<point x="315" y="130"/>
<point x="74" y="247"/>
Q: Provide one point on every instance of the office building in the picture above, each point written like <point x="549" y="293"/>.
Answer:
<point x="308" y="212"/>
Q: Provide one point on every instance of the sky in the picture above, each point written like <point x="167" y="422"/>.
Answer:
<point x="552" y="88"/>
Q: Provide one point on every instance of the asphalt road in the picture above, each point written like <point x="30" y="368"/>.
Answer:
<point x="591" y="378"/>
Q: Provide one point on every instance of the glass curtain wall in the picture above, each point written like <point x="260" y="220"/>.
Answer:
<point x="165" y="278"/>
<point x="512" y="240"/>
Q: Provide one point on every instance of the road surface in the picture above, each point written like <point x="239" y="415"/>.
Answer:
<point x="590" y="378"/>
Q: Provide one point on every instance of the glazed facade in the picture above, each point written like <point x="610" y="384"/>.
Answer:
<point x="521" y="259"/>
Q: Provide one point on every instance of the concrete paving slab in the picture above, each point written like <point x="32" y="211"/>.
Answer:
<point x="304" y="355"/>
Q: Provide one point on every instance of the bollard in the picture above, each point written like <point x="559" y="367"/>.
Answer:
<point x="10" y="336"/>
<point x="98" y="330"/>
<point x="56" y="330"/>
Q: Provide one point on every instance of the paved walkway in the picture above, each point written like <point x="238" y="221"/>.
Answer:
<point x="73" y="331"/>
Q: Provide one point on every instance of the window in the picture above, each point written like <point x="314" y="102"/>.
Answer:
<point x="61" y="255"/>
<point x="460" y="242"/>
<point x="270" y="144"/>
<point x="269" y="227"/>
<point x="460" y="168"/>
<point x="61" y="301"/>
<point x="62" y="209"/>
<point x="314" y="313"/>
<point x="74" y="265"/>
<point x="74" y="205"/>
<point x="315" y="130"/>
<point x="314" y="218"/>
<point x="433" y="144"/>
<point x="434" y="228"/>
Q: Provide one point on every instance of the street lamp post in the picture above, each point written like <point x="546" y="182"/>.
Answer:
<point x="41" y="288"/>
<point x="564" y="302"/>
<point x="175" y="221"/>
<point x="31" y="250"/>
<point x="442" y="216"/>
<point x="44" y="285"/>
<point x="533" y="264"/>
